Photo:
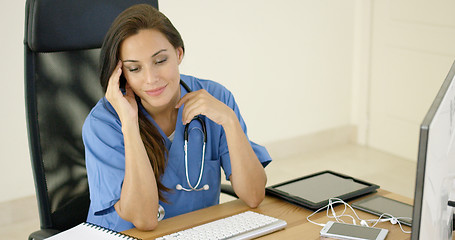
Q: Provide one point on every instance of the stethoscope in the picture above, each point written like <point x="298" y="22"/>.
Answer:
<point x="161" y="211"/>
<point x="185" y="150"/>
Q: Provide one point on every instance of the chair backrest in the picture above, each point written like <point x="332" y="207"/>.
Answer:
<point x="62" y="41"/>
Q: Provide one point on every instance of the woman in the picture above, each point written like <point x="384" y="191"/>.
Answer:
<point x="134" y="136"/>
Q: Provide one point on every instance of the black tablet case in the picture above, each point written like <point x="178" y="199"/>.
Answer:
<point x="350" y="189"/>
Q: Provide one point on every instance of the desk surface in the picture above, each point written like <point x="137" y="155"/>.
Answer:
<point x="298" y="227"/>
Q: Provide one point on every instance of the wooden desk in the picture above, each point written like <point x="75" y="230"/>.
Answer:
<point x="298" y="227"/>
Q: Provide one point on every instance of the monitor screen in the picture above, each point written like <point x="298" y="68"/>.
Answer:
<point x="432" y="217"/>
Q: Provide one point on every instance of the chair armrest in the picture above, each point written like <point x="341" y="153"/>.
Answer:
<point x="227" y="189"/>
<point x="42" y="234"/>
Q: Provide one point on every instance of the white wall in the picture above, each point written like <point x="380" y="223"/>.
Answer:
<point x="289" y="64"/>
<point x="413" y="47"/>
<point x="16" y="178"/>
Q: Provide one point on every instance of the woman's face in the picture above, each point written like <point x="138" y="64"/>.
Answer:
<point x="151" y="68"/>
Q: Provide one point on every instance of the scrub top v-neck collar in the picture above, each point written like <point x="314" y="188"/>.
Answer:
<point x="178" y="124"/>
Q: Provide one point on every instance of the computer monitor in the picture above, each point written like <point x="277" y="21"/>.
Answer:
<point x="432" y="217"/>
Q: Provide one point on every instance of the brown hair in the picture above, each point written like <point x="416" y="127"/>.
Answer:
<point x="129" y="23"/>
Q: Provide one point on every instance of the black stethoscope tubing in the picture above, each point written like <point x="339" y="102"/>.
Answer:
<point x="185" y="133"/>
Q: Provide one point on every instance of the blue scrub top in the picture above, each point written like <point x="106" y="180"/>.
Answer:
<point x="105" y="159"/>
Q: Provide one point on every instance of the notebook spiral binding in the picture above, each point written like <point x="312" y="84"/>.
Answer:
<point x="109" y="231"/>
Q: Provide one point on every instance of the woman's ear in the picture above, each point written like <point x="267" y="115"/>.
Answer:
<point x="179" y="51"/>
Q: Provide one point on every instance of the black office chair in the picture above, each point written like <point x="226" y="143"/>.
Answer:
<point x="62" y="41"/>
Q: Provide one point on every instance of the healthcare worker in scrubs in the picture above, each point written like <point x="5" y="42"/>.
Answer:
<point x="138" y="169"/>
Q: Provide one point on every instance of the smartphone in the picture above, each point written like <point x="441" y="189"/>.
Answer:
<point x="378" y="205"/>
<point x="354" y="232"/>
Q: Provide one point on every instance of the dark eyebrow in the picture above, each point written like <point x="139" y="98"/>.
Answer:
<point x="160" y="51"/>
<point x="154" y="55"/>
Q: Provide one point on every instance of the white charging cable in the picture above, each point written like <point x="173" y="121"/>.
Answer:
<point x="331" y="209"/>
<point x="389" y="218"/>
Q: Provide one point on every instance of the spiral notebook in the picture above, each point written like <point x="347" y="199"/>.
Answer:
<point x="90" y="231"/>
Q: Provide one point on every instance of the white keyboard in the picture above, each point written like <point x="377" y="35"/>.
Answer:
<point x="246" y="225"/>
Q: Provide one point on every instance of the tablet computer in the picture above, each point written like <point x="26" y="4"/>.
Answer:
<point x="379" y="205"/>
<point x="315" y="190"/>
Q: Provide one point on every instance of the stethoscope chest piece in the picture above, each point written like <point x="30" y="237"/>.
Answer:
<point x="161" y="212"/>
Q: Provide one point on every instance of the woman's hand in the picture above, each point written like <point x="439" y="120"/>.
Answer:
<point x="124" y="105"/>
<point x="248" y="177"/>
<point x="201" y="102"/>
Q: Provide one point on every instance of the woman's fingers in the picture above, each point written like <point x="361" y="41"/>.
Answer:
<point x="193" y="104"/>
<point x="113" y="86"/>
<point x="115" y="77"/>
<point x="129" y="94"/>
<point x="202" y="103"/>
<point x="124" y="104"/>
<point x="184" y="99"/>
<point x="192" y="110"/>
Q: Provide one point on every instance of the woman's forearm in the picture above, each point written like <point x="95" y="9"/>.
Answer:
<point x="248" y="176"/>
<point x="139" y="196"/>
